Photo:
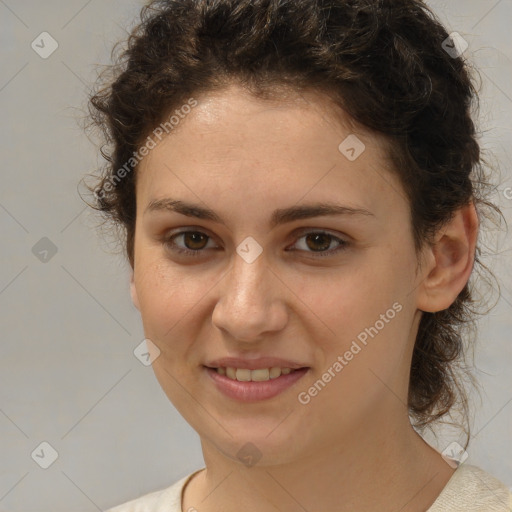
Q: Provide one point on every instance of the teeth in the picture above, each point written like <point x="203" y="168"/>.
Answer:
<point x="243" y="375"/>
<point x="275" y="372"/>
<point x="261" y="374"/>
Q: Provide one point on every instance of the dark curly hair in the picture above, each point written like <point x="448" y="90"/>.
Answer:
<point x="381" y="61"/>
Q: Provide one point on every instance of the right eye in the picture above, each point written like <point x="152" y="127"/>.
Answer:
<point x="194" y="242"/>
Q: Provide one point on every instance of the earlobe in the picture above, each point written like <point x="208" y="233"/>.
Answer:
<point x="133" y="292"/>
<point x="453" y="256"/>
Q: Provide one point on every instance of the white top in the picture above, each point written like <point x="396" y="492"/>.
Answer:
<point x="470" y="489"/>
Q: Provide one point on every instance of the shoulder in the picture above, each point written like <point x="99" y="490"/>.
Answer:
<point x="164" y="500"/>
<point x="471" y="489"/>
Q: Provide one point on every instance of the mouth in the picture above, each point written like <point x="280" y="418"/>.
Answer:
<point x="258" y="375"/>
<point x="246" y="385"/>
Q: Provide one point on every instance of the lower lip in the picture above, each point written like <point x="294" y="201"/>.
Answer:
<point x="254" y="391"/>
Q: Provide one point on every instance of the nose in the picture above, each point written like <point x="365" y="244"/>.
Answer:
<point x="251" y="301"/>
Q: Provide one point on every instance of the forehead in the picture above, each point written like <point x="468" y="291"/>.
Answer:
<point x="235" y="110"/>
<point x="284" y="148"/>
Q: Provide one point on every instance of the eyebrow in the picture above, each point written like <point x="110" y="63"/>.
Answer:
<point x="279" y="216"/>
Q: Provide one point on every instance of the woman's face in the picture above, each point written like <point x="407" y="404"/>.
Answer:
<point x="343" y="304"/>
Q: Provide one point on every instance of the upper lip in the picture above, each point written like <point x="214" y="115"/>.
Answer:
<point x="254" y="364"/>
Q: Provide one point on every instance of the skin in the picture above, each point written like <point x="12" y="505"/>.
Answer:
<point x="352" y="447"/>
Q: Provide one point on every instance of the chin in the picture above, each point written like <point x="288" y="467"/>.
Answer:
<point x="258" y="448"/>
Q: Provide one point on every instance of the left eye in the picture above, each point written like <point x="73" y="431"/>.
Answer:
<point x="318" y="241"/>
<point x="195" y="241"/>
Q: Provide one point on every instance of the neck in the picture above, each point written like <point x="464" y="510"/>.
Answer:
<point x="377" y="466"/>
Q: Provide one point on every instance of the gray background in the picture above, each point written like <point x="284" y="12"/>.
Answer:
<point x="68" y="375"/>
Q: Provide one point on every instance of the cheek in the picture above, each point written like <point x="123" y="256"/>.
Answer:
<point x="372" y="347"/>
<point x="361" y="311"/>
<point x="166" y="296"/>
<point x="353" y="297"/>
<point x="168" y="302"/>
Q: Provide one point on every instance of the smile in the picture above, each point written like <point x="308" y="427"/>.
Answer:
<point x="246" y="375"/>
<point x="254" y="385"/>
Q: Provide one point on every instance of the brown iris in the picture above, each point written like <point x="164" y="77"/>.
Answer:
<point x="316" y="237"/>
<point x="196" y="238"/>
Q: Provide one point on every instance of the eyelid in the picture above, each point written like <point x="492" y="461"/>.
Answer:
<point x="189" y="229"/>
<point x="307" y="230"/>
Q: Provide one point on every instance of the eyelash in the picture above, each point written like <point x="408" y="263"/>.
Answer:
<point x="170" y="244"/>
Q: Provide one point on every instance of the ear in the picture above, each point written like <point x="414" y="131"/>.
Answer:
<point x="450" y="261"/>
<point x="133" y="291"/>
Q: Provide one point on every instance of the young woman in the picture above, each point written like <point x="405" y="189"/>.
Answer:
<point x="300" y="186"/>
